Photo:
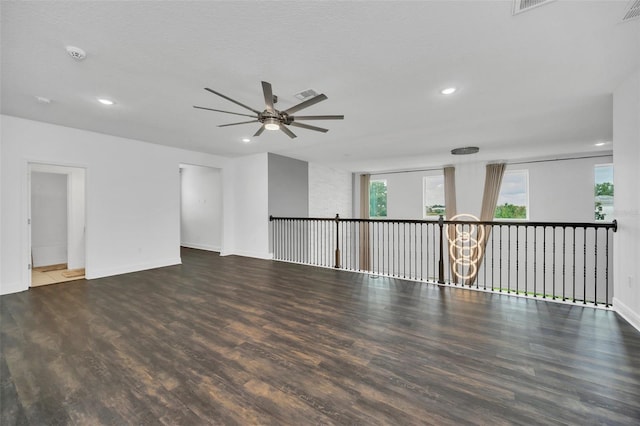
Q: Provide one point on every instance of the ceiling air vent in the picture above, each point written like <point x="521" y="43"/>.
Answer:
<point x="520" y="6"/>
<point x="632" y="11"/>
<point x="306" y="94"/>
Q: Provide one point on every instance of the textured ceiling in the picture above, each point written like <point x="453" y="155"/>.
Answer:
<point x="535" y="84"/>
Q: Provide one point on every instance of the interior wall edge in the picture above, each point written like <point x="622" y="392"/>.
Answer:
<point x="126" y="269"/>
<point x="201" y="246"/>
<point x="627" y="313"/>
<point x="246" y="253"/>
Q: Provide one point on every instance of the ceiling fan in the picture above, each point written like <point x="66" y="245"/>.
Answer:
<point x="271" y="118"/>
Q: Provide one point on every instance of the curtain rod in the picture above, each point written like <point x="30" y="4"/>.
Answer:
<point x="561" y="159"/>
<point x="507" y="163"/>
<point x="405" y="171"/>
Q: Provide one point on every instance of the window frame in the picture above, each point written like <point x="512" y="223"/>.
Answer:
<point x="527" y="217"/>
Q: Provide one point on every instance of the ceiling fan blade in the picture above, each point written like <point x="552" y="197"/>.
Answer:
<point x="235" y="124"/>
<point x="287" y="131"/>
<point x="306" y="126"/>
<point x="268" y="96"/>
<point x="318" y="117"/>
<point x="260" y="130"/>
<point x="226" y="112"/>
<point x="306" y="104"/>
<point x="231" y="100"/>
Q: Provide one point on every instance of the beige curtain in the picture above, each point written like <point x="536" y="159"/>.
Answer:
<point x="451" y="209"/>
<point x="492" y="182"/>
<point x="364" y="227"/>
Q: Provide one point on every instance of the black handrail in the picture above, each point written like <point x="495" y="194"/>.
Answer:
<point x="292" y="241"/>
<point x="612" y="225"/>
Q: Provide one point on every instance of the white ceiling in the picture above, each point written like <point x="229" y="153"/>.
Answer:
<point x="535" y="84"/>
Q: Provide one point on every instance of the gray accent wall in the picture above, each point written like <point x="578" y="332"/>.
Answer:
<point x="288" y="186"/>
<point x="289" y="196"/>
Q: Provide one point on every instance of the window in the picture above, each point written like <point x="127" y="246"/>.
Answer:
<point x="433" y="196"/>
<point x="513" y="201"/>
<point x="603" y="192"/>
<point x="378" y="198"/>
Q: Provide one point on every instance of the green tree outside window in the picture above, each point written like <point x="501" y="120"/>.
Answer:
<point x="378" y="198"/>
<point x="510" y="211"/>
<point x="603" y="192"/>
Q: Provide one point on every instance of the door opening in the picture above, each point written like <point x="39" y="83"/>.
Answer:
<point x="57" y="223"/>
<point x="200" y="207"/>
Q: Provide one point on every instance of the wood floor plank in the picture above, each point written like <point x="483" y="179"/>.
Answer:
<point x="240" y="341"/>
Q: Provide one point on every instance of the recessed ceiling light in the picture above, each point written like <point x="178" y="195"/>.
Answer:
<point x="76" y="53"/>
<point x="448" y="91"/>
<point x="43" y="100"/>
<point x="246" y="140"/>
<point x="105" y="101"/>
<point x="602" y="143"/>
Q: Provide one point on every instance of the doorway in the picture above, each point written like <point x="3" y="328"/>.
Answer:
<point x="200" y="207"/>
<point x="57" y="223"/>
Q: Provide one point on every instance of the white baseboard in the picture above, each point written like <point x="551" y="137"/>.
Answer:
<point x="627" y="313"/>
<point x="94" y="273"/>
<point x="12" y="288"/>
<point x="256" y="254"/>
<point x="201" y="246"/>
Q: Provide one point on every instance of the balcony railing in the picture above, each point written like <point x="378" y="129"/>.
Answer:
<point x="560" y="261"/>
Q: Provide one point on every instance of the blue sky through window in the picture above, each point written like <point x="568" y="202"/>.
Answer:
<point x="434" y="189"/>
<point x="514" y="188"/>
<point x="604" y="173"/>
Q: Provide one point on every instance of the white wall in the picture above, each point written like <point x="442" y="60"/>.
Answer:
<point x="329" y="191"/>
<point x="48" y="218"/>
<point x="469" y="187"/>
<point x="563" y="190"/>
<point x="132" y="205"/>
<point x="404" y="193"/>
<point x="201" y="207"/>
<point x="246" y="207"/>
<point x="626" y="159"/>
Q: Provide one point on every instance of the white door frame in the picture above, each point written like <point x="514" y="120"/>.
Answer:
<point x="67" y="169"/>
<point x="221" y="225"/>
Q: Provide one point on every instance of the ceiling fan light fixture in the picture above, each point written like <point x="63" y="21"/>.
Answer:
<point x="271" y="124"/>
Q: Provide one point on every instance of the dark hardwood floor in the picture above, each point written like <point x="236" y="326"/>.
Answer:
<point x="231" y="340"/>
